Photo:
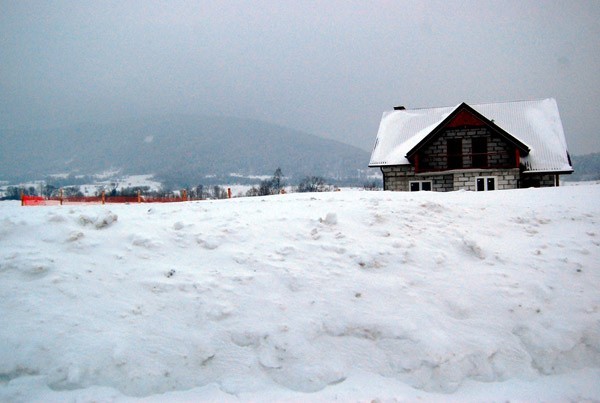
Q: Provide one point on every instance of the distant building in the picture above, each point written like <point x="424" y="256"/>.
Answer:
<point x="473" y="147"/>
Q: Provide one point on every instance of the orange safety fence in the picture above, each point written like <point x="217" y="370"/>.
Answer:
<point x="102" y="199"/>
<point x="32" y="200"/>
<point x="53" y="201"/>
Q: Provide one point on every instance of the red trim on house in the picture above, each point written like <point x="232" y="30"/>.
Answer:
<point x="465" y="118"/>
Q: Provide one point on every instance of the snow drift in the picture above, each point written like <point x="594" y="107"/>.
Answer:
<point x="341" y="295"/>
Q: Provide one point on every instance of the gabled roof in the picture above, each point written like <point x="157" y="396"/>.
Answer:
<point x="529" y="125"/>
<point x="474" y="116"/>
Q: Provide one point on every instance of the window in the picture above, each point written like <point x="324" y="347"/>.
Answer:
<point x="455" y="158"/>
<point x="484" y="183"/>
<point x="416" y="186"/>
<point x="480" y="159"/>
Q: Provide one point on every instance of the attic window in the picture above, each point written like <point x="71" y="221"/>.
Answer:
<point x="455" y="157"/>
<point x="480" y="155"/>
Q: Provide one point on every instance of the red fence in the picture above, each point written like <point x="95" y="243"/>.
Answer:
<point x="103" y="199"/>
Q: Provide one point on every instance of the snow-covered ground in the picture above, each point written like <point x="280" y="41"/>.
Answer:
<point x="108" y="180"/>
<point x="120" y="183"/>
<point x="348" y="295"/>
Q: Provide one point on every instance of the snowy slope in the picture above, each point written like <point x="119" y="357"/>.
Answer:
<point x="348" y="295"/>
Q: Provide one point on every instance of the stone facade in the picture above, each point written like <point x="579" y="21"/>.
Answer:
<point x="548" y="180"/>
<point x="399" y="177"/>
<point x="539" y="180"/>
<point x="435" y="156"/>
<point x="503" y="178"/>
<point x="493" y="168"/>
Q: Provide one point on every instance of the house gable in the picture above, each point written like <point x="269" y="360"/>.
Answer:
<point x="465" y="116"/>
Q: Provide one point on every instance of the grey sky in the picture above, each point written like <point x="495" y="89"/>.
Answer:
<point x="326" y="67"/>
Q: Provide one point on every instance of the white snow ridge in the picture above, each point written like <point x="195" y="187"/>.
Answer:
<point x="349" y="296"/>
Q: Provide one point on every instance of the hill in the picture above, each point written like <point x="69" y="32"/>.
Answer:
<point x="349" y="296"/>
<point x="178" y="150"/>
<point x="587" y="168"/>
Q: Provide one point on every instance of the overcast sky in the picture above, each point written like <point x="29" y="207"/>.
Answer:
<point x="325" y="67"/>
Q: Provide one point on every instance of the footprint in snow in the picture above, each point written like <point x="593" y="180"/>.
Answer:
<point x="208" y="243"/>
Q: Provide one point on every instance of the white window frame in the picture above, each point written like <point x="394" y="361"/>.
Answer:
<point x="485" y="183"/>
<point x="420" y="186"/>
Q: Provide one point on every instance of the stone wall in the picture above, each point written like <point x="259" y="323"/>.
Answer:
<point x="435" y="155"/>
<point x="547" y="180"/>
<point x="398" y="178"/>
<point x="503" y="154"/>
<point x="505" y="178"/>
<point x="537" y="180"/>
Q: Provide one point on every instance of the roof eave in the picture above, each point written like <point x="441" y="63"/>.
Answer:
<point x="550" y="171"/>
<point x="385" y="164"/>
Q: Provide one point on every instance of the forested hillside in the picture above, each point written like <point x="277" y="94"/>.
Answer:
<point x="177" y="150"/>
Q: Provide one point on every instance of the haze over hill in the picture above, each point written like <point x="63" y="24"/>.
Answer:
<point x="587" y="168"/>
<point x="177" y="149"/>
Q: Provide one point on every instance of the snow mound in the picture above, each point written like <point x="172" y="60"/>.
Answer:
<point x="386" y="296"/>
<point x="99" y="221"/>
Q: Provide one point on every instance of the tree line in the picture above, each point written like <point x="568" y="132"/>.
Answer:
<point x="270" y="186"/>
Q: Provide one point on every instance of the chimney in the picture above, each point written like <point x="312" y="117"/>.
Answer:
<point x="399" y="108"/>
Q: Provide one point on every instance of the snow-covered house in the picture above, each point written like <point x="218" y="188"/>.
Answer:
<point x="473" y="147"/>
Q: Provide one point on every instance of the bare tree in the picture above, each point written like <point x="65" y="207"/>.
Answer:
<point x="312" y="184"/>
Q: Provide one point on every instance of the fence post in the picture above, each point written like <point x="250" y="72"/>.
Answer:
<point x="229" y="193"/>
<point x="103" y="197"/>
<point x="139" y="197"/>
<point x="60" y="196"/>
<point x="22" y="198"/>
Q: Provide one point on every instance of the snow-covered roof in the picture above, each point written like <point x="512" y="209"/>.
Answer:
<point x="535" y="123"/>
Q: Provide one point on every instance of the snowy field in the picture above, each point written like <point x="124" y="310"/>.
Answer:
<point x="350" y="296"/>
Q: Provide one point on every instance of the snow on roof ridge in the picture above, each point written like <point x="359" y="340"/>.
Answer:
<point x="475" y="104"/>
